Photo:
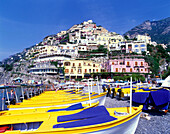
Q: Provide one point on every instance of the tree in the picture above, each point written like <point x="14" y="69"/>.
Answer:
<point x="126" y="37"/>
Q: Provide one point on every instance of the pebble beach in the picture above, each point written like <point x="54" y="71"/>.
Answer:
<point x="159" y="122"/>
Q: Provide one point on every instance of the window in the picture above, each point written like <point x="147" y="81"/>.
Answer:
<point x="136" y="63"/>
<point x="136" y="50"/>
<point x="79" y="71"/>
<point x="141" y="69"/>
<point x="89" y="70"/>
<point x="141" y="63"/>
<point x="79" y="64"/>
<point x="116" y="69"/>
<point x="67" y="63"/>
<point x="142" y="49"/>
<point x="145" y="69"/>
<point x="112" y="63"/>
<point x="123" y="70"/>
<point x="71" y="70"/>
<point x="128" y="63"/>
<point x="73" y="64"/>
<point x="93" y="70"/>
<point x="142" y="45"/>
<point x="66" y="70"/>
<point x="131" y="70"/>
<point x="93" y="65"/>
<point x="96" y="70"/>
<point x="85" y="71"/>
<point x="136" y="45"/>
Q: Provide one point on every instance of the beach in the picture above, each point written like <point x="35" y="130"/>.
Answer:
<point x="159" y="122"/>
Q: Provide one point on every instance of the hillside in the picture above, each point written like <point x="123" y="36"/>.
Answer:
<point x="158" y="30"/>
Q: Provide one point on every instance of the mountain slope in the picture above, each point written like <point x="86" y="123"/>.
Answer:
<point x="158" y="30"/>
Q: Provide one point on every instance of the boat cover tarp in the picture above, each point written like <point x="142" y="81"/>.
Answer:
<point x="89" y="121"/>
<point x="72" y="107"/>
<point x="140" y="97"/>
<point x="87" y="113"/>
<point x="160" y="97"/>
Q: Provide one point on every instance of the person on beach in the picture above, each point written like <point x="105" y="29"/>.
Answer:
<point x="104" y="88"/>
<point x="108" y="91"/>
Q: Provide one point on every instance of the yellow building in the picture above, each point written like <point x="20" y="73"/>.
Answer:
<point x="47" y="49"/>
<point x="76" y="69"/>
<point x="144" y="38"/>
<point x="115" y="39"/>
<point x="61" y="33"/>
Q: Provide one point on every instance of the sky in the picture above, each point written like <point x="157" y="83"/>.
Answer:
<point x="24" y="23"/>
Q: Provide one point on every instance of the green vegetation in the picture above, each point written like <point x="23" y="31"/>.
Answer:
<point x="54" y="63"/>
<point x="30" y="66"/>
<point x="83" y="37"/>
<point x="65" y="39"/>
<point x="166" y="74"/>
<point x="155" y="59"/>
<point x="121" y="76"/>
<point x="60" y="69"/>
<point x="7" y="67"/>
<point x="34" y="54"/>
<point x="100" y="49"/>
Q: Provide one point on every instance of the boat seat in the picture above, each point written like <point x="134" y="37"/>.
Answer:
<point x="87" y="113"/>
<point x="72" y="107"/>
<point x="90" y="121"/>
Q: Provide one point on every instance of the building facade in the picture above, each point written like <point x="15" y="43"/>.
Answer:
<point x="76" y="69"/>
<point x="128" y="65"/>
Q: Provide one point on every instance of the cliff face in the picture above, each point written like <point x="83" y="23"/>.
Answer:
<point x="158" y="30"/>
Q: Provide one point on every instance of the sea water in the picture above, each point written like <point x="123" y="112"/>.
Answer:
<point x="7" y="92"/>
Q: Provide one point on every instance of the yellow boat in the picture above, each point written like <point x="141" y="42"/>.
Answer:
<point x="54" y="97"/>
<point x="77" y="106"/>
<point x="124" y="92"/>
<point x="96" y="120"/>
<point x="57" y="103"/>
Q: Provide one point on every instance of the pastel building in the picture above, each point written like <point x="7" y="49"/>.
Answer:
<point x="144" y="38"/>
<point x="78" y="68"/>
<point x="133" y="46"/>
<point x="129" y="65"/>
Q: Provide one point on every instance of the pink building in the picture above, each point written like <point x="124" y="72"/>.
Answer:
<point x="127" y="65"/>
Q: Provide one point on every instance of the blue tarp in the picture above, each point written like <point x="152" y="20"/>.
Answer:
<point x="72" y="107"/>
<point x="140" y="97"/>
<point x="87" y="113"/>
<point x="90" y="121"/>
<point x="160" y="97"/>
